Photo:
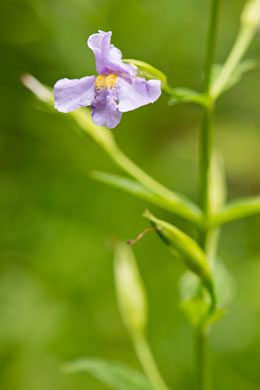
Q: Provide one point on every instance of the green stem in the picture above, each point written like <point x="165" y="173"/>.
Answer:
<point x="211" y="44"/>
<point x="146" y="359"/>
<point x="201" y="357"/>
<point x="206" y="142"/>
<point x="206" y="134"/>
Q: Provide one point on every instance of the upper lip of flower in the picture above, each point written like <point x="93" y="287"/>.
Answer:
<point x="115" y="90"/>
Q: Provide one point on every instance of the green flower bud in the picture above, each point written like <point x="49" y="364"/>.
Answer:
<point x="130" y="290"/>
<point x="186" y="249"/>
<point x="251" y="14"/>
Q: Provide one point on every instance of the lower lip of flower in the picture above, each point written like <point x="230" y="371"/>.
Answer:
<point x="106" y="81"/>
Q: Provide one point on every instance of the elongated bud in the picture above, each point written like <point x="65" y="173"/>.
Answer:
<point x="130" y="290"/>
<point x="251" y="13"/>
<point x="186" y="249"/>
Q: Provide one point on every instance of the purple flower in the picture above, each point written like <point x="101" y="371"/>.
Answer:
<point x="115" y="90"/>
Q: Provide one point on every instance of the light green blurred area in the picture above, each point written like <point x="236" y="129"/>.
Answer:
<point x="57" y="298"/>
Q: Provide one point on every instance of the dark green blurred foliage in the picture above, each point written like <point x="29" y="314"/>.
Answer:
<point x="57" y="299"/>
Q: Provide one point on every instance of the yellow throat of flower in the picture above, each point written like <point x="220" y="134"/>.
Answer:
<point x="106" y="81"/>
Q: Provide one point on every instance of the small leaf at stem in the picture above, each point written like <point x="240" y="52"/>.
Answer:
<point x="196" y="306"/>
<point x="237" y="209"/>
<point x="185" y="95"/>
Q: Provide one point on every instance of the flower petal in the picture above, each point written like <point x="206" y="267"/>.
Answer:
<point x="108" y="57"/>
<point x="137" y="92"/>
<point x="105" y="109"/>
<point x="72" y="94"/>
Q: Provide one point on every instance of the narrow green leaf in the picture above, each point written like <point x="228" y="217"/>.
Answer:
<point x="179" y="204"/>
<point x="112" y="374"/>
<point x="240" y="208"/>
<point x="236" y="76"/>
<point x="125" y="184"/>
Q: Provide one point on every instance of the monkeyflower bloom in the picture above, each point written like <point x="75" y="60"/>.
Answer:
<point x="115" y="90"/>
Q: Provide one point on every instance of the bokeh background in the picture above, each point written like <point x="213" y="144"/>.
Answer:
<point x="57" y="298"/>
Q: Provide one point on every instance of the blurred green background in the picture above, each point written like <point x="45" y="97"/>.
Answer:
<point x="57" y="298"/>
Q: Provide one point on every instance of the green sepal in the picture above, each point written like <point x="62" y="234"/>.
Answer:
<point x="177" y="95"/>
<point x="149" y="72"/>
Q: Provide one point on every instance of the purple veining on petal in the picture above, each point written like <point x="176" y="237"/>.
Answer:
<point x="136" y="92"/>
<point x="72" y="94"/>
<point x="105" y="109"/>
<point x="108" y="57"/>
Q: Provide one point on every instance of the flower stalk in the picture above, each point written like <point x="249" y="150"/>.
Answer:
<point x="132" y="302"/>
<point x="146" y="359"/>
